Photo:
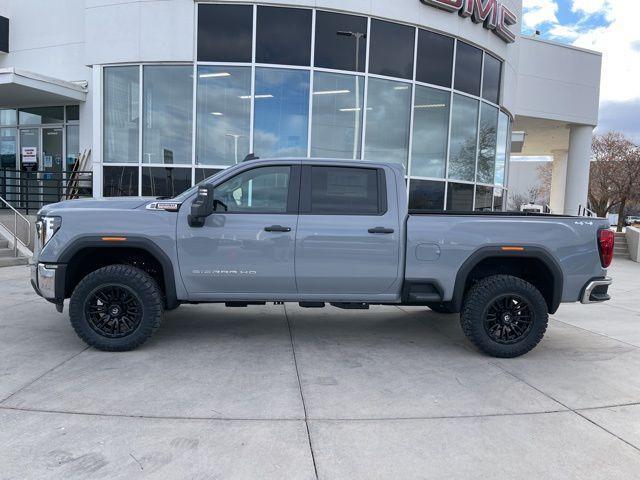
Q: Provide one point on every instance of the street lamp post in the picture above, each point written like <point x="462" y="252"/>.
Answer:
<point x="356" y="134"/>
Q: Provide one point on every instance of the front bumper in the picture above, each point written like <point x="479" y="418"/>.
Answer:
<point x="48" y="281"/>
<point x="597" y="291"/>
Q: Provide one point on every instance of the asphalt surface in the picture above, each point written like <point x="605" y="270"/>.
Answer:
<point x="288" y="393"/>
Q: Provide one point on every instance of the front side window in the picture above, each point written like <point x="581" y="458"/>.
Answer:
<point x="261" y="190"/>
<point x="344" y="191"/>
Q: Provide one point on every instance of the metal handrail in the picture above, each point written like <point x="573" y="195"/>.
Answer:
<point x="17" y="214"/>
<point x="586" y="212"/>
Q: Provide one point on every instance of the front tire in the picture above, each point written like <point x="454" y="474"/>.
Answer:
<point x="116" y="308"/>
<point x="504" y="316"/>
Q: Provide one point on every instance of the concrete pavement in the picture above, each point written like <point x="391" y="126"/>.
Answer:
<point x="290" y="393"/>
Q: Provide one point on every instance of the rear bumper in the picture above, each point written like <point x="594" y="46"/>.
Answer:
<point x="596" y="291"/>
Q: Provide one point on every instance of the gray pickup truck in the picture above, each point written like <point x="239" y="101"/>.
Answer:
<point x="313" y="232"/>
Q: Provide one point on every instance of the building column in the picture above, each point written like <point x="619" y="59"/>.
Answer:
<point x="578" y="163"/>
<point x="558" y="181"/>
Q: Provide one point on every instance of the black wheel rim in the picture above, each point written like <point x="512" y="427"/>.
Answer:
<point x="113" y="311"/>
<point x="508" y="319"/>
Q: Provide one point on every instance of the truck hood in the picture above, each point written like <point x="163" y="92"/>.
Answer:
<point x="120" y="203"/>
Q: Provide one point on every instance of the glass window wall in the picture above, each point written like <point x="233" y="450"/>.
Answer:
<point x="501" y="149"/>
<point x="464" y="137"/>
<point x="388" y="116"/>
<point x="487" y="143"/>
<point x="426" y="195"/>
<point x="435" y="58"/>
<point x="468" y="69"/>
<point x="121" y="114"/>
<point x="484" y="198"/>
<point x="225" y="33"/>
<point x="338" y="102"/>
<point x="223" y="115"/>
<point x="281" y="113"/>
<point x="460" y="197"/>
<point x="341" y="41"/>
<point x="391" y="47"/>
<point x="40" y="115"/>
<point x="283" y="36"/>
<point x="430" y="132"/>
<point x="491" y="81"/>
<point x="165" y="182"/>
<point x="167" y="112"/>
<point x="120" y="181"/>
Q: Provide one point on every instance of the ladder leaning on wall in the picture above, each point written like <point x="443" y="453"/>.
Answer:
<point x="75" y="176"/>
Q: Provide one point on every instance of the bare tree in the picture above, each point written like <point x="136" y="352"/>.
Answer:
<point x="545" y="174"/>
<point x="614" y="181"/>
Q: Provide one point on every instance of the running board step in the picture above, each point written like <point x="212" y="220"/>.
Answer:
<point x="351" y="305"/>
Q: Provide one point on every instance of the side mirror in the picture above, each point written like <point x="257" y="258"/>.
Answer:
<point x="202" y="206"/>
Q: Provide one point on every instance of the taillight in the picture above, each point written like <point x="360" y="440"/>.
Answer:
<point x="606" y="241"/>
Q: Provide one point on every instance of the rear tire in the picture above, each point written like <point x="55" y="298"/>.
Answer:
<point x="116" y="308"/>
<point x="504" y="316"/>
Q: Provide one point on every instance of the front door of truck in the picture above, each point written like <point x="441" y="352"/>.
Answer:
<point x="247" y="246"/>
<point x="348" y="240"/>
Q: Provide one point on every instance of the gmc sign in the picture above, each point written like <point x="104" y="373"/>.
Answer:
<point x="492" y="14"/>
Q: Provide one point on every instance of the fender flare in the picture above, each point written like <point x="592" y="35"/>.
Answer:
<point x="131" y="242"/>
<point x="483" y="253"/>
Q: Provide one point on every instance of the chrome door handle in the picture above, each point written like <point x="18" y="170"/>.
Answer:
<point x="277" y="228"/>
<point x="381" y="230"/>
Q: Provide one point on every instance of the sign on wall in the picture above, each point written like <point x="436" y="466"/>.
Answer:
<point x="29" y="158"/>
<point x="491" y="13"/>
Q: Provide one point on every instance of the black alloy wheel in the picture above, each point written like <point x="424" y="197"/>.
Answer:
<point x="508" y="319"/>
<point x="113" y="311"/>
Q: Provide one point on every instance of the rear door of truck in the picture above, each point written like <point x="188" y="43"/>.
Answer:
<point x="349" y="233"/>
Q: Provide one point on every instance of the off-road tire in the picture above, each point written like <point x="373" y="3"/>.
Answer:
<point x="144" y="288"/>
<point x="476" y="305"/>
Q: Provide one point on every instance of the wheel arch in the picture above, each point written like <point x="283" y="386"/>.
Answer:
<point x="92" y="245"/>
<point x="527" y="262"/>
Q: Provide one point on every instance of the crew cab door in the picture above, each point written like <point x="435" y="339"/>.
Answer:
<point x="348" y="239"/>
<point x="247" y="246"/>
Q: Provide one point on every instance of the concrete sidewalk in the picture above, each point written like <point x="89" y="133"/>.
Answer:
<point x="289" y="393"/>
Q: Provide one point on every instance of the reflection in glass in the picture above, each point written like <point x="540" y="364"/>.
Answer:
<point x="435" y="58"/>
<point x="340" y="41"/>
<point x="487" y="143"/>
<point x="430" y="128"/>
<point x="464" y="134"/>
<point x="426" y="195"/>
<point x="121" y="103"/>
<point x="166" y="182"/>
<point x="501" y="148"/>
<point x="259" y="190"/>
<point x="73" y="146"/>
<point x="8" y="117"/>
<point x="73" y="113"/>
<point x="38" y="115"/>
<point x="223" y="115"/>
<point x="168" y="105"/>
<point x="391" y="49"/>
<point x="225" y="33"/>
<point x="498" y="200"/>
<point x="8" y="148"/>
<point x="460" y="197"/>
<point x="120" y="181"/>
<point x="281" y="112"/>
<point x="388" y="116"/>
<point x="336" y="123"/>
<point x="283" y="36"/>
<point x="491" y="82"/>
<point x="484" y="198"/>
<point x="468" y="69"/>
<point x="204" y="173"/>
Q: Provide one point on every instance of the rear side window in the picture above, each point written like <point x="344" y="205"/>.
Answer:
<point x="346" y="191"/>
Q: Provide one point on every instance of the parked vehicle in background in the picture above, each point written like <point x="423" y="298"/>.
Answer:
<point x="632" y="220"/>
<point x="313" y="232"/>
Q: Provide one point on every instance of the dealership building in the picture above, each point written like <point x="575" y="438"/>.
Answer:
<point x="152" y="96"/>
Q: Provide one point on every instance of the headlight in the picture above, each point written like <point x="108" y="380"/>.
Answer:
<point x="46" y="228"/>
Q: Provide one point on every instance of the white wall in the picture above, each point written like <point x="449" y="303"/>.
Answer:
<point x="558" y="82"/>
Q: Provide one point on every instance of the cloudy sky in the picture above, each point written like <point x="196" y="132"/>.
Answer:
<point x="610" y="27"/>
